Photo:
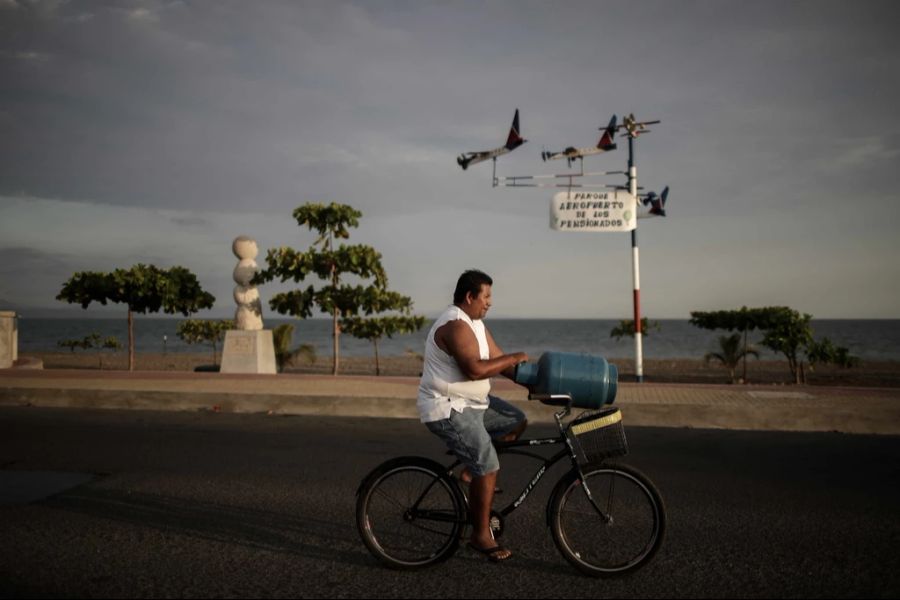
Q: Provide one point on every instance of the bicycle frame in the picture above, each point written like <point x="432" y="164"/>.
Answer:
<point x="511" y="448"/>
<point x="412" y="511"/>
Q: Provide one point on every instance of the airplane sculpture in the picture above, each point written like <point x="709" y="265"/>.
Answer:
<point x="513" y="141"/>
<point x="571" y="153"/>
<point x="633" y="127"/>
<point x="656" y="203"/>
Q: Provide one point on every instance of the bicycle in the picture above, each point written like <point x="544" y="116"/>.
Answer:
<point x="606" y="518"/>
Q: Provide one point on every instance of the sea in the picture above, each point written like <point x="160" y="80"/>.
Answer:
<point x="877" y="339"/>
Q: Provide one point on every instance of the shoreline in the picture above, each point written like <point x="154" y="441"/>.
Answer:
<point x="682" y="370"/>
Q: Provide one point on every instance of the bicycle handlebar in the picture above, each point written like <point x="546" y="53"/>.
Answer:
<point x="557" y="400"/>
<point x="545" y="397"/>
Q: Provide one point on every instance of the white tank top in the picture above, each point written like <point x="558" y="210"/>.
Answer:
<point x="444" y="387"/>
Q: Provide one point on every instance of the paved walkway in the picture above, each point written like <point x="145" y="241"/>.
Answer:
<point x="791" y="408"/>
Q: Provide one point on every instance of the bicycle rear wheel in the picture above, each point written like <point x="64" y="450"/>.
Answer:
<point x="624" y="537"/>
<point x="410" y="513"/>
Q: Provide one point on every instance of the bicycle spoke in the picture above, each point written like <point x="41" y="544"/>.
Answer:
<point x="621" y="539"/>
<point x="428" y="529"/>
<point x="410" y="516"/>
<point x="385" y="495"/>
<point x="606" y="520"/>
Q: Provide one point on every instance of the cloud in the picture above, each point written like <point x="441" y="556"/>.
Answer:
<point x="27" y="274"/>
<point x="35" y="56"/>
<point x="211" y="121"/>
<point x="236" y="108"/>
<point x="192" y="221"/>
<point x="865" y="151"/>
<point x="141" y="14"/>
<point x="76" y="236"/>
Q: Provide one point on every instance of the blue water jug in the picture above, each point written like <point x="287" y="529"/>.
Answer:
<point x="589" y="380"/>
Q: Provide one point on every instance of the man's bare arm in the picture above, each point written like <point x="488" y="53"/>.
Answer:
<point x="458" y="340"/>
<point x="496" y="351"/>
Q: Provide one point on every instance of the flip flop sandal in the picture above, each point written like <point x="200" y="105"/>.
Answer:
<point x="492" y="553"/>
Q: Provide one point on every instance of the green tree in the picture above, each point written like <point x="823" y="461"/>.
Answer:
<point x="789" y="332"/>
<point x="785" y="331"/>
<point x="282" y="338"/>
<point x="626" y="328"/>
<point x="142" y="288"/>
<point x="375" y="328"/>
<point x="100" y="344"/>
<point x="92" y="341"/>
<point x="110" y="343"/>
<point x="744" y="321"/>
<point x="307" y="351"/>
<point x="72" y="344"/>
<point x="329" y="264"/>
<point x="825" y="352"/>
<point x="731" y="352"/>
<point x="209" y="331"/>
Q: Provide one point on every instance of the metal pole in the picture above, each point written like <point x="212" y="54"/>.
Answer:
<point x="636" y="272"/>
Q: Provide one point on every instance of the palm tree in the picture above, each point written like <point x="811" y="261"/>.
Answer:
<point x="731" y="353"/>
<point x="282" y="336"/>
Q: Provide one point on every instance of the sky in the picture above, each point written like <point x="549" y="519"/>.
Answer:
<point x="158" y="131"/>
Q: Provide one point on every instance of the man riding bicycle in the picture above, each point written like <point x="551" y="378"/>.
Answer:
<point x="455" y="403"/>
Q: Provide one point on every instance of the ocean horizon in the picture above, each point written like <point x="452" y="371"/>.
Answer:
<point x="869" y="339"/>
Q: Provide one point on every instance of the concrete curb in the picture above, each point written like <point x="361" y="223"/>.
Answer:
<point x="212" y="401"/>
<point x="870" y="418"/>
<point x="882" y="422"/>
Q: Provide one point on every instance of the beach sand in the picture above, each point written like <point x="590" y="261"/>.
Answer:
<point x="772" y="372"/>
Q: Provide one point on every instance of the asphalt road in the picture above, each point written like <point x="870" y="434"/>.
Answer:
<point x="206" y="504"/>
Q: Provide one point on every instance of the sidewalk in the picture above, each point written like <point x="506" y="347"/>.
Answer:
<point x="785" y="408"/>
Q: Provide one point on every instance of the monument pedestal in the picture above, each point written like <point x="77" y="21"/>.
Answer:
<point x="248" y="352"/>
<point x="9" y="339"/>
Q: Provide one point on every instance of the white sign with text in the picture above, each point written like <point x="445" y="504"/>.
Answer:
<point x="614" y="210"/>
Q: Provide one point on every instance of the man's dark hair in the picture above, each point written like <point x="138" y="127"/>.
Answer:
<point x="470" y="282"/>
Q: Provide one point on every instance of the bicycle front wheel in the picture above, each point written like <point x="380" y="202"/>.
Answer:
<point x="410" y="513"/>
<point x="623" y="535"/>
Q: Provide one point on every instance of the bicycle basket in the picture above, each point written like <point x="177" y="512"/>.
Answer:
<point x="598" y="434"/>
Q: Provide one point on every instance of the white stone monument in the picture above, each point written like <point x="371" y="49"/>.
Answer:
<point x="9" y="339"/>
<point x="249" y="348"/>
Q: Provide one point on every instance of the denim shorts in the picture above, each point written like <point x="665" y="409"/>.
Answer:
<point x="468" y="433"/>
